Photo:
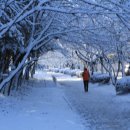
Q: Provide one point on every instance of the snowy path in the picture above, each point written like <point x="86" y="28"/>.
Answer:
<point x="100" y="108"/>
<point x="39" y="106"/>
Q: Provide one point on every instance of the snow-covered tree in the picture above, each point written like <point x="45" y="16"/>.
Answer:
<point x="30" y="28"/>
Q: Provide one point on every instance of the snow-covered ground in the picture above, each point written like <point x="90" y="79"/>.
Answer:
<point x="40" y="105"/>
<point x="100" y="108"/>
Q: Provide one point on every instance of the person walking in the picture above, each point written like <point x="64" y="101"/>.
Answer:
<point x="86" y="77"/>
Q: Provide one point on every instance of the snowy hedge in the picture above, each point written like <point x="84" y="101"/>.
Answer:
<point x="123" y="84"/>
<point x="68" y="71"/>
<point x="100" y="78"/>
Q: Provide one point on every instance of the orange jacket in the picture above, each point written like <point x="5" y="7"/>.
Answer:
<point x="85" y="75"/>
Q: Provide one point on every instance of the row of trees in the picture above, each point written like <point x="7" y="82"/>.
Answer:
<point x="106" y="38"/>
<point x="30" y="28"/>
<point x="27" y="30"/>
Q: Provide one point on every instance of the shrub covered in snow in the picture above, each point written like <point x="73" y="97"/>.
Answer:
<point x="123" y="84"/>
<point x="100" y="78"/>
<point x="56" y="70"/>
<point x="68" y="71"/>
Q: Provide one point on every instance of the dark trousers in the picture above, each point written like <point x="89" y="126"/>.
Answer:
<point x="85" y="86"/>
